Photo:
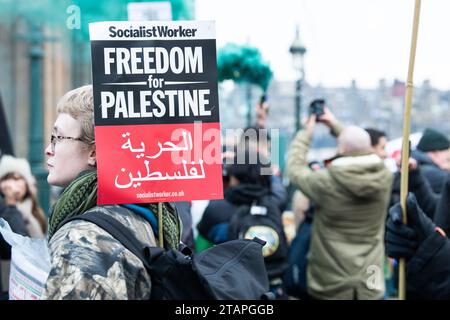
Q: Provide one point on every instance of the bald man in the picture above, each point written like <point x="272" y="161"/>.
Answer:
<point x="346" y="257"/>
<point x="353" y="139"/>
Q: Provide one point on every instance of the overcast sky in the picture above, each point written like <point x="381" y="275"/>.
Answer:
<point x="345" y="39"/>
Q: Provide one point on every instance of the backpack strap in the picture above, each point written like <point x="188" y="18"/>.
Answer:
<point x="121" y="234"/>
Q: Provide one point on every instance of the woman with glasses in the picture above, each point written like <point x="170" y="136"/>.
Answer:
<point x="87" y="262"/>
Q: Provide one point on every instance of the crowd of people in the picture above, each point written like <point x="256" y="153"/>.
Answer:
<point x="350" y="201"/>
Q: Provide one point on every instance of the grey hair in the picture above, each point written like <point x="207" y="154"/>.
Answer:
<point x="353" y="139"/>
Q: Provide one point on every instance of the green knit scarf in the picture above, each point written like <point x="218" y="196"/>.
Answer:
<point x="77" y="198"/>
<point x="81" y="195"/>
<point x="171" y="224"/>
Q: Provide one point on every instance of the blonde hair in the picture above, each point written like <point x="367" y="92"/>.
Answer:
<point x="79" y="104"/>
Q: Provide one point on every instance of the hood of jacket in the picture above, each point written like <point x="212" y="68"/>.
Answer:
<point x="361" y="176"/>
<point x="245" y="193"/>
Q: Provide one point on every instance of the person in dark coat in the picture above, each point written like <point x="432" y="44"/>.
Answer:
<point x="221" y="221"/>
<point x="435" y="205"/>
<point x="246" y="185"/>
<point x="442" y="213"/>
<point x="259" y="139"/>
<point x="421" y="187"/>
<point x="425" y="248"/>
<point x="433" y="155"/>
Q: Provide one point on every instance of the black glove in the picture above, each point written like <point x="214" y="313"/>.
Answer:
<point x="417" y="219"/>
<point x="402" y="241"/>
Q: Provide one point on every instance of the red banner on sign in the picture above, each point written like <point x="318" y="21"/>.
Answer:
<point x="155" y="163"/>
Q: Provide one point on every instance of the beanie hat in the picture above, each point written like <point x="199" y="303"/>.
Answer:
<point x="9" y="164"/>
<point x="433" y="140"/>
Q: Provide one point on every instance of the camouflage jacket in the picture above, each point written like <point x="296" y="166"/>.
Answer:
<point x="88" y="263"/>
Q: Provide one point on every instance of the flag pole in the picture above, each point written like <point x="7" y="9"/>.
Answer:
<point x="405" y="143"/>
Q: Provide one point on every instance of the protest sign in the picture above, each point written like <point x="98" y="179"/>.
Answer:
<point x="156" y="111"/>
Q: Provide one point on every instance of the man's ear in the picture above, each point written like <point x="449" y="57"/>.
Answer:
<point x="92" y="160"/>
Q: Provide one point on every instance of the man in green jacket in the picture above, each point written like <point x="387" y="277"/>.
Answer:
<point x="351" y="195"/>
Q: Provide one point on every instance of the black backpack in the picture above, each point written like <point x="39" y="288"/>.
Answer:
<point x="262" y="219"/>
<point x="232" y="270"/>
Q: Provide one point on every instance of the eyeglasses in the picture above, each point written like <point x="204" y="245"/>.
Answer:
<point x="55" y="138"/>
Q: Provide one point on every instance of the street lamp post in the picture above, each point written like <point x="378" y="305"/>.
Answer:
<point x="297" y="51"/>
<point x="36" y="38"/>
